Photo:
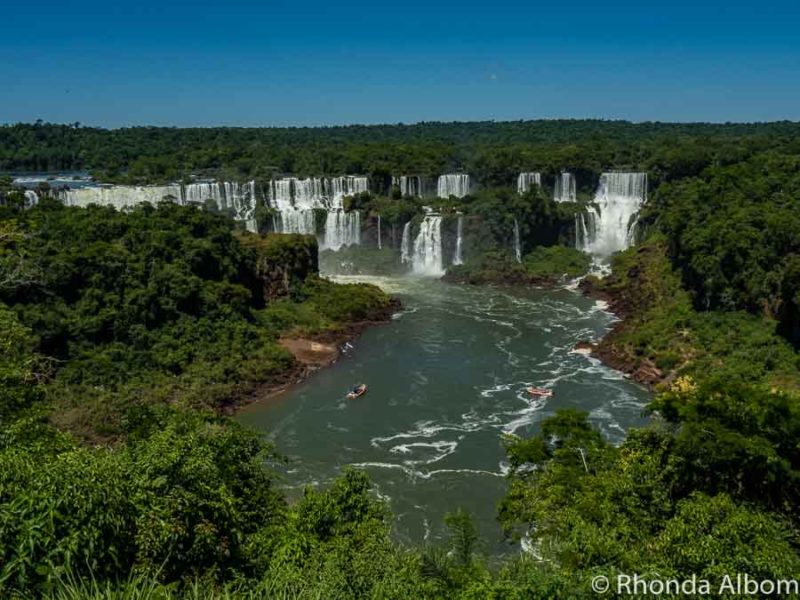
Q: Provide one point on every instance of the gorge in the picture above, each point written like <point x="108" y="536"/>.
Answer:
<point x="181" y="341"/>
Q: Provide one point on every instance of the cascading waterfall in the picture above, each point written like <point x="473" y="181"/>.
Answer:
<point x="280" y="194"/>
<point x="410" y="185"/>
<point x="427" y="259"/>
<point x="292" y="218"/>
<point x="31" y="198"/>
<point x="295" y="201"/>
<point x="238" y="198"/>
<point x="454" y="184"/>
<point x="526" y="181"/>
<point x="619" y="197"/>
<point x="565" y="189"/>
<point x="517" y="247"/>
<point x="121" y="196"/>
<point x="309" y="193"/>
<point x="458" y="259"/>
<point x="295" y="221"/>
<point x="349" y="185"/>
<point x="228" y="196"/>
<point x="585" y="226"/>
<point x="380" y="245"/>
<point x="405" y="244"/>
<point x="342" y="229"/>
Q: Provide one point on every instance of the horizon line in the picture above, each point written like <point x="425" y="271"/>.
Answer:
<point x="80" y="125"/>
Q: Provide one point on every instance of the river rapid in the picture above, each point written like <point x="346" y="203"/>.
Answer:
<point x="447" y="379"/>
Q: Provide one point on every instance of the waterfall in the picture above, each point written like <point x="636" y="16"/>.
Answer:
<point x="380" y="246"/>
<point x="517" y="247"/>
<point x="296" y="199"/>
<point x="619" y="197"/>
<point x="583" y="232"/>
<point x="280" y="194"/>
<point x="31" y="198"/>
<point x="309" y="193"/>
<point x="564" y="189"/>
<point x="405" y="245"/>
<point x="342" y="228"/>
<point x="410" y="185"/>
<point x="427" y="259"/>
<point x="251" y="225"/>
<point x="456" y="184"/>
<point x="526" y="181"/>
<point x="295" y="221"/>
<point x="121" y="196"/>
<point x="458" y="259"/>
<point x="349" y="185"/>
<point x="238" y="198"/>
<point x="291" y="218"/>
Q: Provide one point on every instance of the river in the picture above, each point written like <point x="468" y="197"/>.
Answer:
<point x="447" y="379"/>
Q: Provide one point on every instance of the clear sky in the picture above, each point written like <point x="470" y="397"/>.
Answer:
<point x="312" y="62"/>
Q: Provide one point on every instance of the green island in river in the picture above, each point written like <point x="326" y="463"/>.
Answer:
<point x="179" y="331"/>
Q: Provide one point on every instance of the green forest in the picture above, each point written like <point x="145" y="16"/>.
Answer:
<point x="129" y="337"/>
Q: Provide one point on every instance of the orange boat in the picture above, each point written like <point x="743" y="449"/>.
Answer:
<point x="542" y="392"/>
<point x="357" y="391"/>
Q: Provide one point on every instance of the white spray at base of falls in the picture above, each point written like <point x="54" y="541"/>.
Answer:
<point x="427" y="259"/>
<point x="610" y="228"/>
<point x="380" y="245"/>
<point x="517" y="247"/>
<point x="565" y="188"/>
<point x="458" y="259"/>
<point x="454" y="184"/>
<point x="405" y="245"/>
<point x="526" y="181"/>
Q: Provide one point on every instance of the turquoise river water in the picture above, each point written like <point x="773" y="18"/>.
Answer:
<point x="447" y="379"/>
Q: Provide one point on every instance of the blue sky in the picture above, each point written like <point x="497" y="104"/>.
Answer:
<point x="314" y="63"/>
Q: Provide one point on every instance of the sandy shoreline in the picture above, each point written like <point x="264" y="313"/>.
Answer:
<point x="313" y="353"/>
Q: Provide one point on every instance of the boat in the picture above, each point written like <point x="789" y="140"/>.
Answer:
<point x="357" y="391"/>
<point x="542" y="392"/>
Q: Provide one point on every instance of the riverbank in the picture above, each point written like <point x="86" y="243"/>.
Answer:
<point x="611" y="349"/>
<point x="660" y="336"/>
<point x="312" y="352"/>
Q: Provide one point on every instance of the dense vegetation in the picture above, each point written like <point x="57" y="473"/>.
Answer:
<point x="493" y="153"/>
<point x="546" y="265"/>
<point x="124" y="334"/>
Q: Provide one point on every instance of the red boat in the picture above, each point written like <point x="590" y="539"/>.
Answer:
<point x="541" y="392"/>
